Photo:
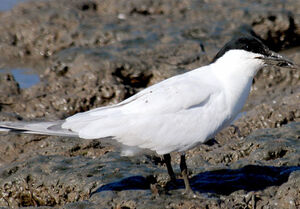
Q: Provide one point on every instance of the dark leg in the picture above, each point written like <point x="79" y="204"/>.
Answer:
<point x="167" y="159"/>
<point x="183" y="167"/>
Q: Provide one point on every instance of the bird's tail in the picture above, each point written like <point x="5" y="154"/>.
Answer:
<point x="43" y="128"/>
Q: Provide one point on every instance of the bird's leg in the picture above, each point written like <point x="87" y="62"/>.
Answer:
<point x="184" y="173"/>
<point x="167" y="159"/>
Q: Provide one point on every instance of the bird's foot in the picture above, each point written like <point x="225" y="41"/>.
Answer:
<point x="190" y="193"/>
<point x="155" y="189"/>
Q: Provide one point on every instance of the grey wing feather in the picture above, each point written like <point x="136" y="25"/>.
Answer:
<point x="44" y="128"/>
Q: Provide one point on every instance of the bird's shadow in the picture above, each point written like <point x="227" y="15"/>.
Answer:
<point x="224" y="181"/>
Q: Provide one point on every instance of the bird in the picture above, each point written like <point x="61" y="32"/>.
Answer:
<point x="176" y="114"/>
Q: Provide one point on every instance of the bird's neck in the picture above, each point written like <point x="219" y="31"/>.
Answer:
<point x="236" y="79"/>
<point x="236" y="69"/>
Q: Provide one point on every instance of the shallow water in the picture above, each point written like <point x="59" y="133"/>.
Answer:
<point x="25" y="77"/>
<point x="9" y="4"/>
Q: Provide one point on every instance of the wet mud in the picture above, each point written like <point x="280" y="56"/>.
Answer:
<point x="93" y="53"/>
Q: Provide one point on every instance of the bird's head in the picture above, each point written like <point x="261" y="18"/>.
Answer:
<point x="250" y="52"/>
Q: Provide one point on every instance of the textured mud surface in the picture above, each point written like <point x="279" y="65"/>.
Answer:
<point x="94" y="53"/>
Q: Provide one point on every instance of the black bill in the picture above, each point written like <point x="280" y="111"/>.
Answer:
<point x="277" y="60"/>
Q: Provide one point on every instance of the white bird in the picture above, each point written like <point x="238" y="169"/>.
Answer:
<point x="176" y="114"/>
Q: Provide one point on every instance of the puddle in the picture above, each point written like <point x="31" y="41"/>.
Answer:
<point x="25" y="77"/>
<point x="9" y="4"/>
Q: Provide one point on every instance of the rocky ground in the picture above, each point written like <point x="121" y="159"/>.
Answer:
<point x="90" y="53"/>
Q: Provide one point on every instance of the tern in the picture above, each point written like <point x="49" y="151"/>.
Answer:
<point x="176" y="114"/>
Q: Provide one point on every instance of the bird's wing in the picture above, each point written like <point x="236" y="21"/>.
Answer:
<point x="182" y="92"/>
<point x="173" y="94"/>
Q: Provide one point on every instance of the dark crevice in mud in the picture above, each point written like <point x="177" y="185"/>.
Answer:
<point x="88" y="6"/>
<point x="211" y="142"/>
<point x="272" y="155"/>
<point x="146" y="11"/>
<point x="140" y="12"/>
<point x="283" y="33"/>
<point x="131" y="79"/>
<point x="156" y="160"/>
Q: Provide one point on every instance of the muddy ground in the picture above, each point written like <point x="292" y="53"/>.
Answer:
<point x="91" y="53"/>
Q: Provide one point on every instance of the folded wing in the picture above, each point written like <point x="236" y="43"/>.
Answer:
<point x="150" y="118"/>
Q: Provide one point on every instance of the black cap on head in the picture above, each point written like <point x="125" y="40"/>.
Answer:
<point x="247" y="43"/>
